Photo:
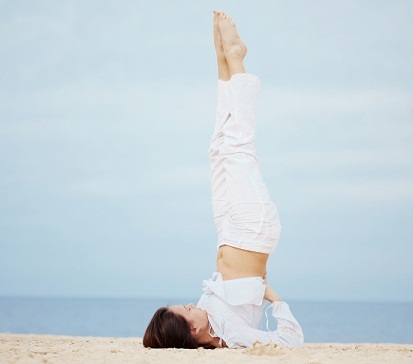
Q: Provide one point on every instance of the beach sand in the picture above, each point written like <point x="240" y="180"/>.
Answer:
<point x="64" y="349"/>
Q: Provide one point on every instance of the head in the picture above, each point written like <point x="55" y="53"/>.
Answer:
<point x="177" y="327"/>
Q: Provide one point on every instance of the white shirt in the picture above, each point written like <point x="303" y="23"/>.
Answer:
<point x="235" y="308"/>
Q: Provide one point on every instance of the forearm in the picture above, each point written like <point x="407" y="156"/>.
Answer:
<point x="288" y="332"/>
<point x="272" y="296"/>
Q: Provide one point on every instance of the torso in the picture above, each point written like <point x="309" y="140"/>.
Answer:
<point x="234" y="263"/>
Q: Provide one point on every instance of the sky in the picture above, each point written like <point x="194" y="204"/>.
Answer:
<point x="106" y="113"/>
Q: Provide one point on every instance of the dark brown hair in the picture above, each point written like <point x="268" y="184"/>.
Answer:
<point x="167" y="330"/>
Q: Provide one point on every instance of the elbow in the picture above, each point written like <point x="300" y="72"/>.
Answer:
<point x="300" y="342"/>
<point x="292" y="337"/>
<point x="296" y="343"/>
<point x="293" y="341"/>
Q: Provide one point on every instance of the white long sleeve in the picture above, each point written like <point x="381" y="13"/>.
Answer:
<point x="235" y="309"/>
<point x="288" y="332"/>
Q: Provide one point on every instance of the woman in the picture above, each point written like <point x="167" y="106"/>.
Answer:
<point x="230" y="310"/>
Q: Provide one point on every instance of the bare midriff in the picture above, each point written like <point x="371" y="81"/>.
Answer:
<point x="234" y="263"/>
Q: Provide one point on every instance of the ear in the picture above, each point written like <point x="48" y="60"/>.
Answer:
<point x="195" y="331"/>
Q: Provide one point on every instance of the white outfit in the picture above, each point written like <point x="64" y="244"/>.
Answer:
<point x="245" y="218"/>
<point x="235" y="308"/>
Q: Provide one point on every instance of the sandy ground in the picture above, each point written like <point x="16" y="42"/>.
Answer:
<point x="64" y="349"/>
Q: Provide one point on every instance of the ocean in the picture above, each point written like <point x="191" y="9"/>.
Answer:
<point x="343" y="322"/>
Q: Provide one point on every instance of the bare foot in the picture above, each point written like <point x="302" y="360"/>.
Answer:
<point x="234" y="47"/>
<point x="223" y="68"/>
<point x="219" y="49"/>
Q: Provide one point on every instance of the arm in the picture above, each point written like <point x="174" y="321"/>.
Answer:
<point x="288" y="332"/>
<point x="269" y="294"/>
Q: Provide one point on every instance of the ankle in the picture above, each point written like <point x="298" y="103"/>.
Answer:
<point x="236" y="52"/>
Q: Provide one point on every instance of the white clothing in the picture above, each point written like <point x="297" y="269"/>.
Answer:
<point x="235" y="309"/>
<point x="245" y="216"/>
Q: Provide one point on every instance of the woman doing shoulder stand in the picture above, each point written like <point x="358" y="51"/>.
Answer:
<point x="230" y="309"/>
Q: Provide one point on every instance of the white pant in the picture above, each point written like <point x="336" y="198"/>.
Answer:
<point x="245" y="216"/>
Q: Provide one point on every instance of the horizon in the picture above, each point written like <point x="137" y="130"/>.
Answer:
<point x="106" y="112"/>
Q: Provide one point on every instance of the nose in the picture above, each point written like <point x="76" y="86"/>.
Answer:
<point x="191" y="305"/>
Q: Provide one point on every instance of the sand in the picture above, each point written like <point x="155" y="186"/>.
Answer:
<point x="65" y="349"/>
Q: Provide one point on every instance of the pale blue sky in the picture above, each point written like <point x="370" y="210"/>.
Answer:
<point x="106" y="110"/>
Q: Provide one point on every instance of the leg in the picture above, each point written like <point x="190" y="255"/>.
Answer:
<point x="252" y="221"/>
<point x="220" y="194"/>
<point x="218" y="180"/>
<point x="234" y="48"/>
<point x="220" y="201"/>
<point x="223" y="68"/>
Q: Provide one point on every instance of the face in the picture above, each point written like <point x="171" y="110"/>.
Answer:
<point x="195" y="316"/>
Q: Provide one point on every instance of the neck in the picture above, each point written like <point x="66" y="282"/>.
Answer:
<point x="207" y="338"/>
<point x="211" y="341"/>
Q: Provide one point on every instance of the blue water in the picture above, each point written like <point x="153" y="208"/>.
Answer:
<point x="321" y="322"/>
